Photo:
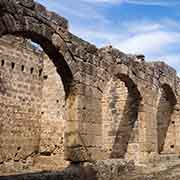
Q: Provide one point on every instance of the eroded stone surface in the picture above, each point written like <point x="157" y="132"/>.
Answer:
<point x="76" y="102"/>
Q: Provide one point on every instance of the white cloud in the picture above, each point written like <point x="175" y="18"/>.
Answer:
<point x="78" y="10"/>
<point x="148" y="42"/>
<point x="150" y="37"/>
<point x="145" y="26"/>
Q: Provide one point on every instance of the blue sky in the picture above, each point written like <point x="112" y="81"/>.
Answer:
<point x="150" y="27"/>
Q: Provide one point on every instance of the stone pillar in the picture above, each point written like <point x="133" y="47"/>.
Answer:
<point x="176" y="119"/>
<point x="83" y="128"/>
<point x="71" y="139"/>
<point x="148" y="125"/>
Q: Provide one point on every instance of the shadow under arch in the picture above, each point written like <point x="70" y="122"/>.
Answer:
<point x="125" y="135"/>
<point x="39" y="32"/>
<point x="165" y="110"/>
<point x="53" y="53"/>
<point x="126" y="116"/>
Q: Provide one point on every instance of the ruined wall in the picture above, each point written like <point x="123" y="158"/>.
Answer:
<point x="113" y="104"/>
<point x="120" y="123"/>
<point x="112" y="100"/>
<point x="32" y="107"/>
<point x="155" y="119"/>
<point x="166" y="123"/>
<point x="52" y="121"/>
<point x="20" y="99"/>
<point x="176" y="117"/>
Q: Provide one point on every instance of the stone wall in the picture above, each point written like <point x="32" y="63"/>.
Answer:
<point x="120" y="122"/>
<point x="166" y="122"/>
<point x="32" y="107"/>
<point x="106" y="103"/>
<point x="52" y="121"/>
<point x="20" y="99"/>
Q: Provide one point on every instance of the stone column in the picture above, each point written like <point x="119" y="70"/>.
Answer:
<point x="176" y="119"/>
<point x="148" y="125"/>
<point x="83" y="128"/>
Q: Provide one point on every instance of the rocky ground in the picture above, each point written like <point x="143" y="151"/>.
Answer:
<point x="169" y="174"/>
<point x="108" y="170"/>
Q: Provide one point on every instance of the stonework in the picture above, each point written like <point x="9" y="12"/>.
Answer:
<point x="21" y="93"/>
<point x="70" y="102"/>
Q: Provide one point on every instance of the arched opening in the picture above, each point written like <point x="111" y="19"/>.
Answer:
<point x="54" y="55"/>
<point x="165" y="122"/>
<point x="120" y="118"/>
<point x="31" y="20"/>
<point x="53" y="120"/>
<point x="33" y="107"/>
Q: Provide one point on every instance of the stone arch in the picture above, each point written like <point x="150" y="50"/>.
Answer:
<point x="30" y="20"/>
<point x="22" y="19"/>
<point x="165" y="123"/>
<point x="42" y="104"/>
<point x="56" y="57"/>
<point x="120" y="117"/>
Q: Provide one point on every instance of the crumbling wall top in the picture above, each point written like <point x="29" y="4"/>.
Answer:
<point x="15" y="6"/>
